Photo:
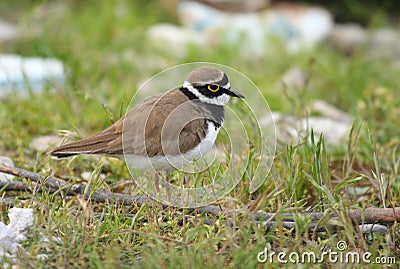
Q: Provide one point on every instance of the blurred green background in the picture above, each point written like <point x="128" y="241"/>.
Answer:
<point x="107" y="54"/>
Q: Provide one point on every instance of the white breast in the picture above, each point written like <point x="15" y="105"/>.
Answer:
<point x="206" y="144"/>
<point x="170" y="162"/>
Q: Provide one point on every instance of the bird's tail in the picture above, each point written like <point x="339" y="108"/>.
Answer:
<point x="97" y="144"/>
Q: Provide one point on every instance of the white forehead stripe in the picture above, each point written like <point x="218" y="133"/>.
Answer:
<point x="187" y="84"/>
<point x="226" y="86"/>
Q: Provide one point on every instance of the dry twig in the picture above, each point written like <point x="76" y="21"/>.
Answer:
<point x="369" y="215"/>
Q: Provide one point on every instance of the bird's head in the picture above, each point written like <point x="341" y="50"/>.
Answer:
<point x="210" y="85"/>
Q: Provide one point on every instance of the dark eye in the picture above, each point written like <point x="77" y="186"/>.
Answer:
<point x="213" y="87"/>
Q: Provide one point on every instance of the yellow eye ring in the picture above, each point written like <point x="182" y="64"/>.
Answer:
<point x="213" y="87"/>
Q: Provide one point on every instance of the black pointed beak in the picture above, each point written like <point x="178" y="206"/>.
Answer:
<point x="231" y="92"/>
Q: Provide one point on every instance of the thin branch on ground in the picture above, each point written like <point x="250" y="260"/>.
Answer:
<point x="7" y="201"/>
<point x="13" y="186"/>
<point x="367" y="216"/>
<point x="56" y="184"/>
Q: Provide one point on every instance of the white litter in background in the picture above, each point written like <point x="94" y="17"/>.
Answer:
<point x="299" y="27"/>
<point x="20" y="74"/>
<point x="21" y="220"/>
<point x="18" y="230"/>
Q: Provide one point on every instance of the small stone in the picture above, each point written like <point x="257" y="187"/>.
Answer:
<point x="373" y="228"/>
<point x="348" y="37"/>
<point x="8" y="239"/>
<point x="294" y="78"/>
<point x="334" y="131"/>
<point x="43" y="143"/>
<point x="21" y="219"/>
<point x="11" y="235"/>
<point x="327" y="110"/>
<point x="86" y="175"/>
<point x="7" y="162"/>
<point x="8" y="31"/>
<point x="297" y="26"/>
<point x="385" y="43"/>
<point x="289" y="128"/>
<point x="176" y="40"/>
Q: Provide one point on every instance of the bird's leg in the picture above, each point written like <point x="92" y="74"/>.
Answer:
<point x="167" y="190"/>
<point x="157" y="182"/>
<point x="164" y="184"/>
<point x="158" y="193"/>
<point x="167" y="176"/>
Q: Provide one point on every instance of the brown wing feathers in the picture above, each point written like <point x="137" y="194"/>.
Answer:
<point x="152" y="113"/>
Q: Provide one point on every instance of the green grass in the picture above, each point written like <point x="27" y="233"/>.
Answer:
<point x="103" y="46"/>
